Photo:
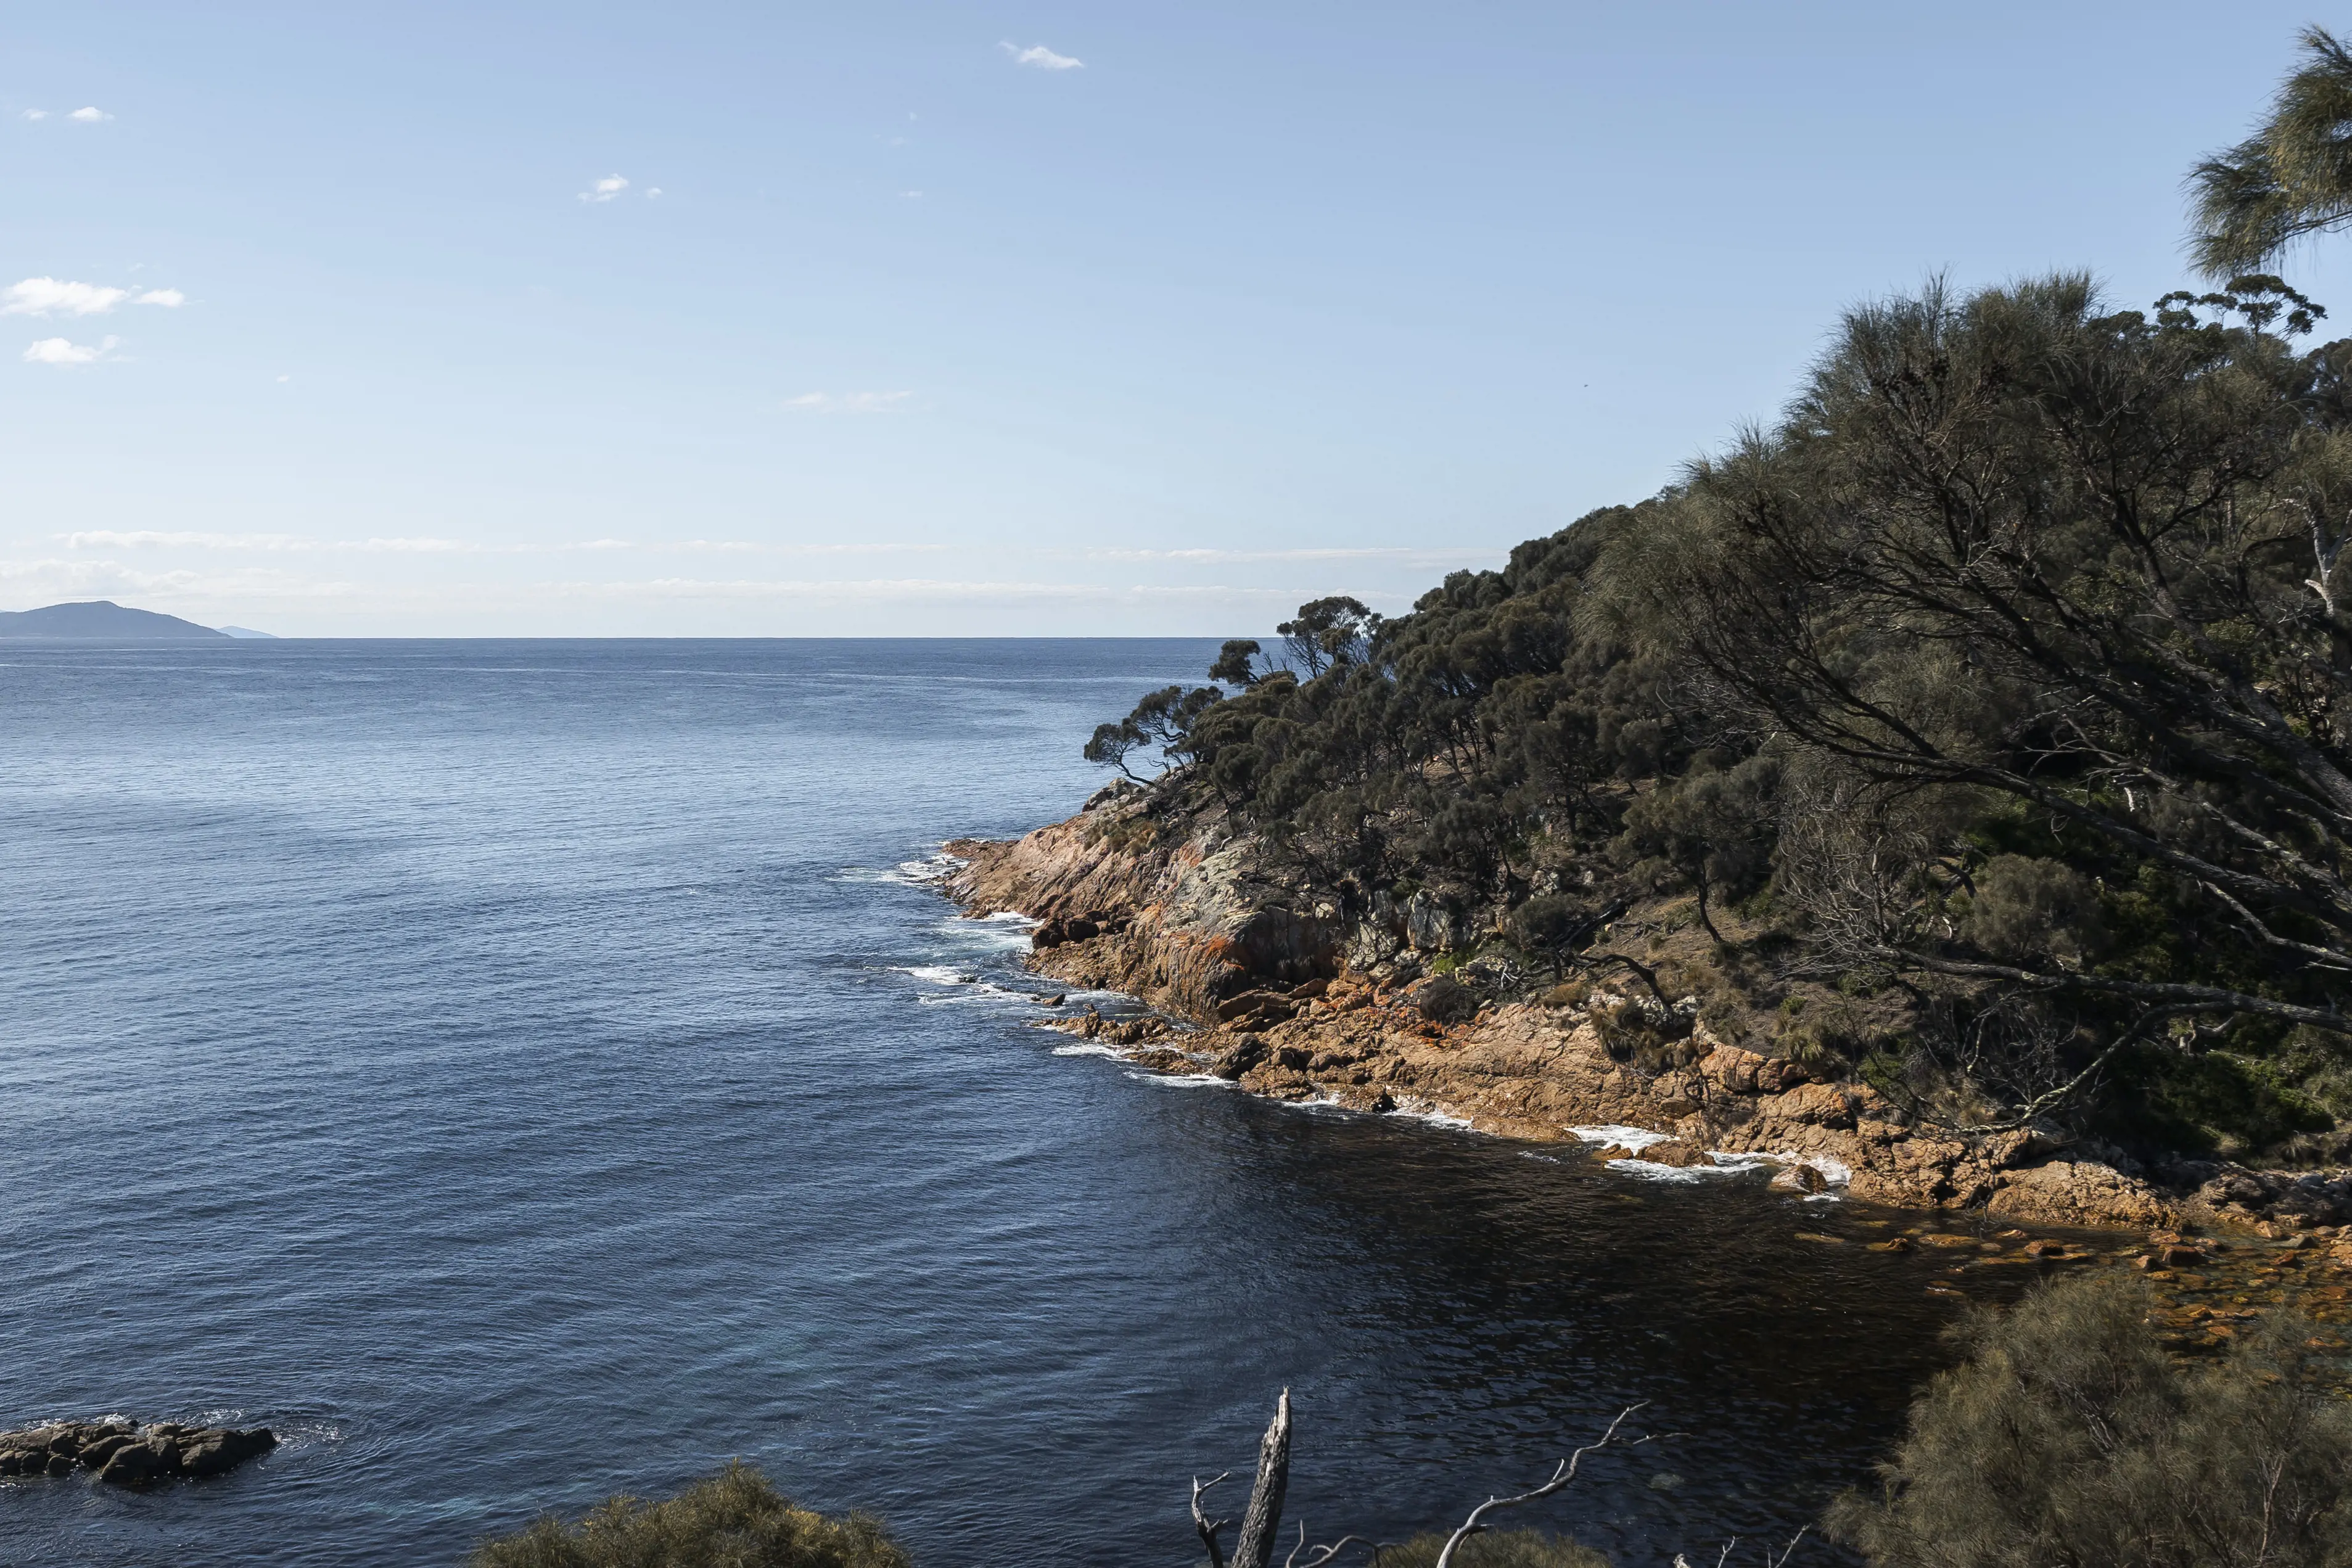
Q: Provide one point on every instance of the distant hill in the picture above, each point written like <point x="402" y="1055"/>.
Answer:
<point x="248" y="632"/>
<point x="101" y="621"/>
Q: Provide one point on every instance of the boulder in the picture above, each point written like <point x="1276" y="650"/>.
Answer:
<point x="1802" y="1179"/>
<point x="223" y="1448"/>
<point x="1429" y="925"/>
<point x="1675" y="1152"/>
<point x="2075" y="1192"/>
<point x="1271" y="1006"/>
<point x="137" y="1464"/>
<point x="1246" y="1053"/>
<point x="1441" y="1000"/>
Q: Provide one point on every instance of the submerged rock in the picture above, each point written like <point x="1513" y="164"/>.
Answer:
<point x="124" y="1454"/>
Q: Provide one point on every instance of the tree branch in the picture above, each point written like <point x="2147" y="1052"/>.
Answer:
<point x="1565" y="1473"/>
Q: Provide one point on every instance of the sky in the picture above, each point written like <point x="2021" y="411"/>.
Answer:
<point x="888" y="319"/>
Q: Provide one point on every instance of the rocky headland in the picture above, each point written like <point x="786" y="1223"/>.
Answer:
<point x="123" y="1453"/>
<point x="1393" y="1011"/>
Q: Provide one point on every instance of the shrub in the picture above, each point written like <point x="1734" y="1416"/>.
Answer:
<point x="2068" y="1438"/>
<point x="734" y="1519"/>
<point x="1494" y="1549"/>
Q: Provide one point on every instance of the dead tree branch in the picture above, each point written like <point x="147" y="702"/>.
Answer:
<point x="1476" y="1524"/>
<point x="1206" y="1527"/>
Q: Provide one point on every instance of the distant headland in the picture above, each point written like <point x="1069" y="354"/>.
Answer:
<point x="103" y="621"/>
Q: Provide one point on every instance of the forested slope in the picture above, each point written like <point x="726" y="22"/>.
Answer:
<point x="1972" y="730"/>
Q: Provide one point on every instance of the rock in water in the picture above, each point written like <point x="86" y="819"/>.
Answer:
<point x="125" y="1455"/>
<point x="1798" y="1179"/>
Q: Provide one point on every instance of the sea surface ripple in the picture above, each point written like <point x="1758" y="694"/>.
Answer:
<point x="522" y="1071"/>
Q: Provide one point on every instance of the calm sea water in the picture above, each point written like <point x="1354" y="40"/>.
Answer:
<point x="519" y="1072"/>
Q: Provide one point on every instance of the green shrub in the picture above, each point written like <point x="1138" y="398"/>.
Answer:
<point x="734" y="1519"/>
<point x="2067" y="1437"/>
<point x="1495" y="1549"/>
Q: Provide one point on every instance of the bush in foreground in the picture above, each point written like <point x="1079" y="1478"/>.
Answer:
<point x="734" y="1519"/>
<point x="2068" y="1438"/>
<point x="1502" y="1548"/>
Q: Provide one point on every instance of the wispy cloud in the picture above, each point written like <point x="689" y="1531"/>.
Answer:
<point x="848" y="402"/>
<point x="61" y="296"/>
<point x="52" y="578"/>
<point x="90" y="114"/>
<point x="605" y="189"/>
<point x="63" y="351"/>
<point x="1041" y="57"/>
<point x="36" y="114"/>
<point x="159" y="539"/>
<point x="1230" y="557"/>
<point x="56" y="297"/>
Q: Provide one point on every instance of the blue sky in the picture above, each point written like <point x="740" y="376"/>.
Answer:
<point x="971" y="320"/>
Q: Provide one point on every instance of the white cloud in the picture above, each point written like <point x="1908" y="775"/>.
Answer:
<point x="170" y="297"/>
<point x="36" y="114"/>
<point x="56" y="296"/>
<point x="1418" y="557"/>
<point x="59" y="352"/>
<point x="848" y="402"/>
<point x="605" y="189"/>
<point x="156" y="539"/>
<point x="134" y="539"/>
<point x="1041" y="57"/>
<point x="652" y="192"/>
<point x="90" y="114"/>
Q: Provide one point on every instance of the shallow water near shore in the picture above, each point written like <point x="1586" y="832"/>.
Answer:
<point x="522" y="1071"/>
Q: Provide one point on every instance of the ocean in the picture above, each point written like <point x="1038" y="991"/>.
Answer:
<point x="523" y="1072"/>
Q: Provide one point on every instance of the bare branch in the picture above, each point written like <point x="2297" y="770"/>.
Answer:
<point x="1561" y="1477"/>
<point x="1323" y="1555"/>
<point x="1206" y="1527"/>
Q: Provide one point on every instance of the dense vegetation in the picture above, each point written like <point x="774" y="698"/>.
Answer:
<point x="1994" y="698"/>
<point x="2002" y="679"/>
<point x="2068" y="1438"/>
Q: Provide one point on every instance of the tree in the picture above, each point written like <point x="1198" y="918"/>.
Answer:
<point x="1235" y="664"/>
<point x="1328" y="634"/>
<point x="2040" y="577"/>
<point x="1162" y="722"/>
<point x="2291" y="178"/>
<point x="2068" y="1436"/>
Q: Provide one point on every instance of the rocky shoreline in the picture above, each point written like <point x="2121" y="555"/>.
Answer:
<point x="1299" y="1004"/>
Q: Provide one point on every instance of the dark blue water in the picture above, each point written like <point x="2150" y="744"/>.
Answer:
<point x="516" y="1073"/>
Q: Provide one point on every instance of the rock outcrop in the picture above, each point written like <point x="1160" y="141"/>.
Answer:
<point x="1270" y="994"/>
<point x="124" y="1454"/>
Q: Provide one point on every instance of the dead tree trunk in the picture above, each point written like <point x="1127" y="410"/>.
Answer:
<point x="1263" y="1520"/>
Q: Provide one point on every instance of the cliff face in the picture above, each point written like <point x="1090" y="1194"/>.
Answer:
<point x="1192" y="924"/>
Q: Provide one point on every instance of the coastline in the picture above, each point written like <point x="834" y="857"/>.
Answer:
<point x="1280" y="1000"/>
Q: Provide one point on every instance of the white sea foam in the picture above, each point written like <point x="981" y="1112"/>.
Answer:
<point x="907" y="873"/>
<point x="939" y="974"/>
<point x="1650" y="1170"/>
<point x="1090" y="1048"/>
<point x="1185" y="1080"/>
<point x="1623" y="1137"/>
<point x="1412" y="1109"/>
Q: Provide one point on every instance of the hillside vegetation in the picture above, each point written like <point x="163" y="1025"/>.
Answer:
<point x="1973" y="729"/>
